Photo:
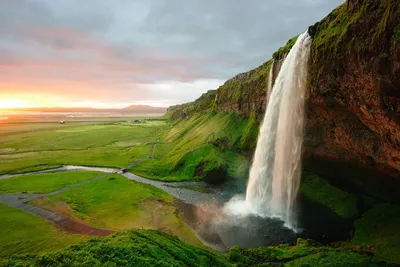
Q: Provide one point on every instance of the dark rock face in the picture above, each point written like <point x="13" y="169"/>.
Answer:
<point x="245" y="94"/>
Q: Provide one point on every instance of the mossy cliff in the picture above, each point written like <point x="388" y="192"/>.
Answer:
<point x="353" y="98"/>
<point x="353" y="124"/>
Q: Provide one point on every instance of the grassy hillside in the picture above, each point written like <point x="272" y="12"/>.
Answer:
<point x="208" y="146"/>
<point x="152" y="248"/>
<point x="131" y="248"/>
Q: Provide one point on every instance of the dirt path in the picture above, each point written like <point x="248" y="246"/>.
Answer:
<point x="154" y="217"/>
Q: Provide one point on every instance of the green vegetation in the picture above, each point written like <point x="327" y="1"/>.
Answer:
<point x="396" y="36"/>
<point x="153" y="248"/>
<point x="304" y="253"/>
<point x="109" y="144"/>
<point x="44" y="182"/>
<point x="130" y="248"/>
<point x="196" y="147"/>
<point x="25" y="233"/>
<point x="320" y="191"/>
<point x="115" y="202"/>
<point x="285" y="49"/>
<point x="380" y="228"/>
<point x="347" y="31"/>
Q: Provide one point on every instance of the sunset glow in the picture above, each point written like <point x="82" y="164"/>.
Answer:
<point x="14" y="103"/>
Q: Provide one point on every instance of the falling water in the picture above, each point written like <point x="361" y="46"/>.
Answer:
<point x="275" y="174"/>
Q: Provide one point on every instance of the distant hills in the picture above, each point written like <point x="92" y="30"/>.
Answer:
<point x="140" y="109"/>
<point x="145" y="109"/>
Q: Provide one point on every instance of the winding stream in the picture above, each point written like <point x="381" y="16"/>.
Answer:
<point x="201" y="211"/>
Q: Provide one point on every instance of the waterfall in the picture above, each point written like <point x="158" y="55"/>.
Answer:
<point x="276" y="170"/>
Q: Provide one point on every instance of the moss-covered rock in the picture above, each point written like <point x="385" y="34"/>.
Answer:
<point x="320" y="191"/>
<point x="304" y="253"/>
<point x="380" y="229"/>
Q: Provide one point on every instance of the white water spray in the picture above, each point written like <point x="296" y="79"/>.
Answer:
<point x="276" y="171"/>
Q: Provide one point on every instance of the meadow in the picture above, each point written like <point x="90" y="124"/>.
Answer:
<point x="44" y="182"/>
<point x="23" y="232"/>
<point x="117" y="203"/>
<point x="112" y="202"/>
<point x="27" y="147"/>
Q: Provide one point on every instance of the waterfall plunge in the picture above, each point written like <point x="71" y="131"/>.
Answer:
<point x="276" y="171"/>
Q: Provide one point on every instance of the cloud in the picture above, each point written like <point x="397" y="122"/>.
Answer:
<point x="99" y="50"/>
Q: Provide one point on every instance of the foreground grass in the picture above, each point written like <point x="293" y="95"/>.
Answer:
<point x="23" y="232"/>
<point x="153" y="248"/>
<point x="117" y="203"/>
<point x="130" y="248"/>
<point x="44" y="182"/>
<point x="380" y="228"/>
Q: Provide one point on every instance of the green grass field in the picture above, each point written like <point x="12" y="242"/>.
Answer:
<point x="25" y="233"/>
<point x="117" y="203"/>
<point x="44" y="182"/>
<point x="26" y="147"/>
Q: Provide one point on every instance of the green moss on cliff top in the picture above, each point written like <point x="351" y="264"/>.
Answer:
<point x="285" y="49"/>
<point x="363" y="29"/>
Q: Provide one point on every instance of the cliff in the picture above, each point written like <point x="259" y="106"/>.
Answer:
<point x="353" y="99"/>
<point x="353" y="122"/>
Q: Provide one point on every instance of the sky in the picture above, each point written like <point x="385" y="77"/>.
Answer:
<point x="114" y="53"/>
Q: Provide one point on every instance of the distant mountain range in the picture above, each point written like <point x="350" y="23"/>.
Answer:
<point x="141" y="109"/>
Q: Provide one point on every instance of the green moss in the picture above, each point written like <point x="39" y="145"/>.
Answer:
<point x="396" y="36"/>
<point x="320" y="191"/>
<point x="380" y="228"/>
<point x="304" y="253"/>
<point x="357" y="30"/>
<point x="285" y="49"/>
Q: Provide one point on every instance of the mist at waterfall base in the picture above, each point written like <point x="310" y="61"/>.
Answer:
<point x="265" y="214"/>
